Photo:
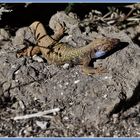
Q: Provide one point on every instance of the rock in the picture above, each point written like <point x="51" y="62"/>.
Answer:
<point x="66" y="21"/>
<point x="76" y="82"/>
<point x="38" y="59"/>
<point x="4" y="35"/>
<point x="66" y="66"/>
<point x="42" y="125"/>
<point x="23" y="34"/>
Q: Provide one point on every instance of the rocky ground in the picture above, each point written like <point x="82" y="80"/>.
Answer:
<point x="105" y="105"/>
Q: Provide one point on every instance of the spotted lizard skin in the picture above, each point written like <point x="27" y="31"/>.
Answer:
<point x="58" y="53"/>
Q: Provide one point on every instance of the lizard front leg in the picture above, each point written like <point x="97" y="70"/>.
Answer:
<point x="89" y="69"/>
<point x="58" y="32"/>
<point x="41" y="35"/>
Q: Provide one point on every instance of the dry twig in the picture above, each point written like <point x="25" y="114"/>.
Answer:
<point x="38" y="114"/>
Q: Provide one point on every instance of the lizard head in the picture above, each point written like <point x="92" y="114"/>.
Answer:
<point x="104" y="45"/>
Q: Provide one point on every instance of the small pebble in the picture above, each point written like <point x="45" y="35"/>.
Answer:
<point x="66" y="66"/>
<point x="66" y="83"/>
<point x="69" y="38"/>
<point x="77" y="81"/>
<point x="27" y="131"/>
<point x="22" y="105"/>
<point x="3" y="34"/>
<point x="60" y="86"/>
<point x="115" y="115"/>
<point x="15" y="105"/>
<point x="87" y="29"/>
<point x="42" y="125"/>
<point x="106" y="77"/>
<point x="105" y="96"/>
<point x="71" y="103"/>
<point x="38" y="59"/>
<point x="66" y="118"/>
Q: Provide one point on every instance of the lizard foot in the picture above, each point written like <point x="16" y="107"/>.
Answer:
<point x="91" y="71"/>
<point x="30" y="51"/>
<point x="20" y="53"/>
<point x="58" y="31"/>
<point x="100" y="70"/>
<point x="59" y="28"/>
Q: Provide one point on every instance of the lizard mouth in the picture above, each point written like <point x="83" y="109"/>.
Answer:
<point x="115" y="41"/>
<point x="113" y="44"/>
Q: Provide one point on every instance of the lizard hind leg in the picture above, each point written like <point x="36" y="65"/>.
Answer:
<point x="29" y="51"/>
<point x="89" y="69"/>
<point x="43" y="40"/>
<point x="39" y="30"/>
<point x="40" y="35"/>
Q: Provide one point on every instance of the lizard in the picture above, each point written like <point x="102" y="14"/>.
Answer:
<point x="59" y="53"/>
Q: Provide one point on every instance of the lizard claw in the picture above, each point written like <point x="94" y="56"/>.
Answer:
<point x="91" y="71"/>
<point x="100" y="70"/>
<point x="59" y="31"/>
<point x="59" y="28"/>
